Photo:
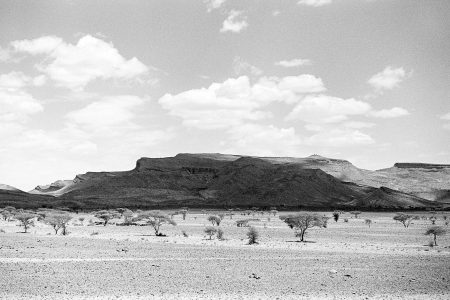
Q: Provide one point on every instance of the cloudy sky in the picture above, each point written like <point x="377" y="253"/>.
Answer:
<point x="94" y="85"/>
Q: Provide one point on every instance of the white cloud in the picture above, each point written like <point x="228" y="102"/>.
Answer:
<point x="235" y="22"/>
<point x="236" y="100"/>
<point x="42" y="45"/>
<point x="297" y="62"/>
<point x="13" y="80"/>
<point x="4" y="54"/>
<point x="327" y="109"/>
<point x="446" y="126"/>
<point x="315" y="3"/>
<point x="304" y="83"/>
<point x="389" y="113"/>
<point x="262" y="140"/>
<point x="213" y="4"/>
<point x="446" y="116"/>
<point x="276" y="13"/>
<point x="387" y="79"/>
<point x="110" y="114"/>
<point x="74" y="66"/>
<point x="242" y="67"/>
<point x="339" y="137"/>
<point x="17" y="106"/>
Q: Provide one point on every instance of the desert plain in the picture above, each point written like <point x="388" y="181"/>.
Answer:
<point x="345" y="260"/>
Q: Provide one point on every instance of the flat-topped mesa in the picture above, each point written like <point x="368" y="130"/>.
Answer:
<point x="420" y="166"/>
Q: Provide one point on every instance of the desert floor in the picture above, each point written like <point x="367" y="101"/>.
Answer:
<point x="343" y="261"/>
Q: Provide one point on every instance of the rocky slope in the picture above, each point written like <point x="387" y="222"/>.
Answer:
<point x="216" y="180"/>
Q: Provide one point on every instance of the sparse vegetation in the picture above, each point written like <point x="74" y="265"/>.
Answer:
<point x="26" y="220"/>
<point x="210" y="231"/>
<point x="58" y="221"/>
<point x="215" y="220"/>
<point x="156" y="219"/>
<point x="220" y="234"/>
<point x="336" y="216"/>
<point x="355" y="213"/>
<point x="252" y="235"/>
<point x="435" y="231"/>
<point x="404" y="219"/>
<point x="302" y="222"/>
<point x="107" y="215"/>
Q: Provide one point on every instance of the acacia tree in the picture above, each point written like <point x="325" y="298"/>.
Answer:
<point x="252" y="235"/>
<point x="127" y="216"/>
<point x="210" y="231"/>
<point x="435" y="231"/>
<point x="156" y="219"/>
<point x="355" y="213"/>
<point x="58" y="221"/>
<point x="404" y="219"/>
<point x="107" y="215"/>
<point x="368" y="222"/>
<point x="302" y="222"/>
<point x="25" y="219"/>
<point x="183" y="212"/>
<point x="214" y="220"/>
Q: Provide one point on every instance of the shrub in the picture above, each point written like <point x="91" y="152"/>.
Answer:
<point x="302" y="222"/>
<point x="355" y="213"/>
<point x="368" y="222"/>
<point x="221" y="216"/>
<point x="184" y="234"/>
<point x="215" y="220"/>
<point x="435" y="231"/>
<point x="242" y="223"/>
<point x="274" y="212"/>
<point x="336" y="216"/>
<point x="345" y="220"/>
<point x="252" y="235"/>
<point x="210" y="231"/>
<point x="156" y="219"/>
<point x="220" y="233"/>
<point x="95" y="233"/>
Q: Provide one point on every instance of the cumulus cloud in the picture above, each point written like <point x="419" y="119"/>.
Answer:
<point x="235" y="22"/>
<point x="17" y="105"/>
<point x="75" y="65"/>
<point x="263" y="140"/>
<point x="213" y="4"/>
<point x="387" y="79"/>
<point x="297" y="62"/>
<point x="236" y="100"/>
<point x="327" y="109"/>
<point x="339" y="137"/>
<point x="446" y="117"/>
<point x="314" y="3"/>
<point x="394" y="112"/>
<point x="110" y="114"/>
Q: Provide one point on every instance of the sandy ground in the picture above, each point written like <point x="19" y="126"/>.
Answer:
<point x="344" y="261"/>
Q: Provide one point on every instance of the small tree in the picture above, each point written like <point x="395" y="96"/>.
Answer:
<point x="107" y="215"/>
<point x="6" y="215"/>
<point x="156" y="219"/>
<point x="184" y="212"/>
<point x="58" y="221"/>
<point x="221" y="216"/>
<point x="26" y="220"/>
<point x="252" y="235"/>
<point x="127" y="216"/>
<point x="435" y="231"/>
<point x="214" y="220"/>
<point x="274" y="212"/>
<point x="301" y="223"/>
<point x="220" y="234"/>
<point x="336" y="216"/>
<point x="368" y="222"/>
<point x="210" y="231"/>
<point x="355" y="213"/>
<point x="404" y="219"/>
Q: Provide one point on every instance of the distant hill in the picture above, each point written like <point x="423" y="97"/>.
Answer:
<point x="217" y="180"/>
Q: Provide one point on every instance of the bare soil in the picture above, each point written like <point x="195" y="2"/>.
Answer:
<point x="344" y="261"/>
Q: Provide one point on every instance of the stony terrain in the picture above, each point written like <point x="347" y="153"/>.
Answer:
<point x="343" y="261"/>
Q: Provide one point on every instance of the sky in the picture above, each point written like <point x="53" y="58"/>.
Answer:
<point x="95" y="85"/>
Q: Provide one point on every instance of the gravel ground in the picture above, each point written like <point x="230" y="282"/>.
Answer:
<point x="344" y="261"/>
